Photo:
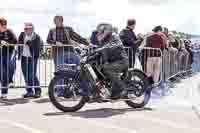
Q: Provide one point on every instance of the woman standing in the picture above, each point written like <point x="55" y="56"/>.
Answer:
<point x="29" y="54"/>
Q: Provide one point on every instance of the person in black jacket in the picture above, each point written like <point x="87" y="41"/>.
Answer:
<point x="115" y="59"/>
<point x="29" y="53"/>
<point x="130" y="40"/>
<point x="6" y="37"/>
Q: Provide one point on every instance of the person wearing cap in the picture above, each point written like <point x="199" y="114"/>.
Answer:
<point x="29" y="53"/>
<point x="130" y="40"/>
<point x="7" y="66"/>
<point x="63" y="35"/>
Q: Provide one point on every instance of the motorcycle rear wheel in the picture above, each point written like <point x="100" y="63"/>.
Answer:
<point x="142" y="83"/>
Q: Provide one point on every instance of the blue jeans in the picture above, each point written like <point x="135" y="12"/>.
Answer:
<point x="29" y="70"/>
<point x="4" y="73"/>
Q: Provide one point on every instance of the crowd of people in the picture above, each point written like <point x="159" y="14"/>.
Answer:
<point x="158" y="46"/>
<point x="29" y="49"/>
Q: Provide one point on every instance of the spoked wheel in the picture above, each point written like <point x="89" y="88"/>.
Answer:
<point x="65" y="95"/>
<point x="140" y="95"/>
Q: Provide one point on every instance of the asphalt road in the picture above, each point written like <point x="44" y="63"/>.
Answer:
<point x="177" y="113"/>
<point x="39" y="116"/>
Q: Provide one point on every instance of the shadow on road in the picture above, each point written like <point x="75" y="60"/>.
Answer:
<point x="15" y="101"/>
<point x="98" y="113"/>
<point x="42" y="100"/>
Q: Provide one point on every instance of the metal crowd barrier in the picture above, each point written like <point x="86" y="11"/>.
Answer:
<point x="160" y="64"/>
<point x="151" y="63"/>
<point x="176" y="62"/>
<point x="196" y="61"/>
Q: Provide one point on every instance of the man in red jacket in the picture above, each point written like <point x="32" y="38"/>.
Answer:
<point x="157" y="41"/>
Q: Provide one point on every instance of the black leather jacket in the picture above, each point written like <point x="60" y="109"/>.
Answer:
<point x="113" y="50"/>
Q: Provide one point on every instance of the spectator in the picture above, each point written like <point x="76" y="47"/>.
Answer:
<point x="144" y="52"/>
<point x="183" y="56"/>
<point x="6" y="52"/>
<point x="130" y="40"/>
<point x="173" y="54"/>
<point x="166" y="63"/>
<point x="29" y="54"/>
<point x="155" y="41"/>
<point x="187" y="46"/>
<point x="173" y="41"/>
<point x="63" y="35"/>
<point x="166" y="31"/>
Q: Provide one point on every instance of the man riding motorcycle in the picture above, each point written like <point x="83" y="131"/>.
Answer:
<point x="114" y="57"/>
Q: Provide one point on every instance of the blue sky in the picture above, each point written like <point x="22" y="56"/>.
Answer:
<point x="84" y="15"/>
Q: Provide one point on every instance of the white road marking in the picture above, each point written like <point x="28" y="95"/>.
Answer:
<point x="21" y="126"/>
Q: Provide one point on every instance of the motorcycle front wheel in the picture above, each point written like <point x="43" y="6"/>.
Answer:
<point x="64" y="94"/>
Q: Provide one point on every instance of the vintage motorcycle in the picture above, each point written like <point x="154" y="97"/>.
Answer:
<point x="86" y="83"/>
